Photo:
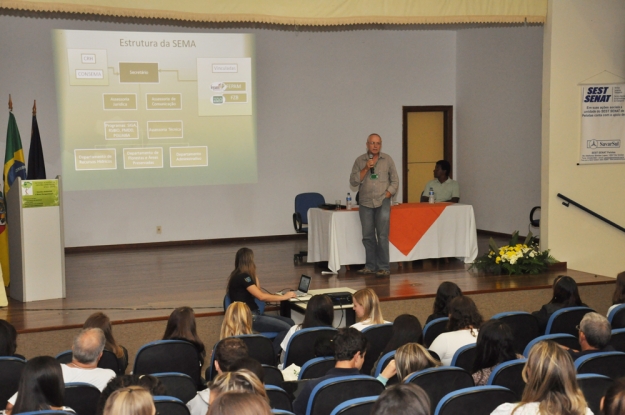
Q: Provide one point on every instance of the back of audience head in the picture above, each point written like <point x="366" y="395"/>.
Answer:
<point x="150" y="383"/>
<point x="446" y="292"/>
<point x="240" y="404"/>
<point x="596" y="330"/>
<point x="550" y="379"/>
<point x="412" y="357"/>
<point x="250" y="364"/>
<point x="324" y="346"/>
<point x="319" y="312"/>
<point x="613" y="403"/>
<point x="463" y="314"/>
<point x="347" y="342"/>
<point x="8" y="338"/>
<point x="181" y="325"/>
<point x="495" y="344"/>
<point x="406" y="329"/>
<point x="88" y="346"/>
<point x="402" y="399"/>
<point x="241" y="381"/>
<point x="565" y="292"/>
<point x="131" y="400"/>
<point x="370" y="303"/>
<point x="101" y="321"/>
<point x="41" y="385"/>
<point x="237" y="320"/>
<point x="619" y="289"/>
<point x="228" y="351"/>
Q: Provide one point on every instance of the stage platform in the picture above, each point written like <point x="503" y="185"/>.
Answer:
<point x="138" y="288"/>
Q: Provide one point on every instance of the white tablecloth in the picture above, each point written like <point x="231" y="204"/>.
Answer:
<point x="336" y="237"/>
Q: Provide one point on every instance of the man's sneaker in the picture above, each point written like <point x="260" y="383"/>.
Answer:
<point x="365" y="271"/>
<point x="382" y="273"/>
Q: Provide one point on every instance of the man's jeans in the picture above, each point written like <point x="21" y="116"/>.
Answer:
<point x="375" y="224"/>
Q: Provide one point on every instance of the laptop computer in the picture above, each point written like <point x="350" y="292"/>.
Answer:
<point x="304" y="283"/>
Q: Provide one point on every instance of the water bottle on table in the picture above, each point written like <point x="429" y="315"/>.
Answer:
<point x="431" y="196"/>
<point x="348" y="201"/>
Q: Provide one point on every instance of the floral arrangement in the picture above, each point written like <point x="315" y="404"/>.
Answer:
<point x="515" y="258"/>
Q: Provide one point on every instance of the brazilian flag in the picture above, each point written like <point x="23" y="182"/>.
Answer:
<point x="14" y="167"/>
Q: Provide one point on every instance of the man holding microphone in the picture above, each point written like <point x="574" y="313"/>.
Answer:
<point x="375" y="176"/>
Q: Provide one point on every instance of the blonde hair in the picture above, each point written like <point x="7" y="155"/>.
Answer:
<point x="369" y="301"/>
<point x="237" y="320"/>
<point x="412" y="357"/>
<point x="133" y="400"/>
<point x="242" y="380"/>
<point x="239" y="403"/>
<point x="549" y="375"/>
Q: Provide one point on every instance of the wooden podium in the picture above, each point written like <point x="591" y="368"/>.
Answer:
<point x="36" y="242"/>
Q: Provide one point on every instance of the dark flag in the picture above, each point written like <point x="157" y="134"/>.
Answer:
<point x="36" y="165"/>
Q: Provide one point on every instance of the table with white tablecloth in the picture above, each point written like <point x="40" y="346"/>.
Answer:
<point x="419" y="230"/>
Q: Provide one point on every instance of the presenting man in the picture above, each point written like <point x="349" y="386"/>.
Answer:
<point x="445" y="189"/>
<point x="375" y="176"/>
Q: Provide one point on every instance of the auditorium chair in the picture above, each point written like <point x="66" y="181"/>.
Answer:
<point x="301" y="345"/>
<point x="10" y="372"/>
<point x="377" y="336"/>
<point x="433" y="329"/>
<point x="439" y="381"/>
<point x="610" y="364"/>
<point x="563" y="339"/>
<point x="178" y="385"/>
<point x="464" y="357"/>
<point x="617" y="317"/>
<point x="593" y="387"/>
<point x="617" y="340"/>
<point x="330" y="393"/>
<point x="476" y="400"/>
<point x="168" y="405"/>
<point x="273" y="375"/>
<point x="509" y="375"/>
<point x="278" y="398"/>
<point x="303" y="202"/>
<point x="524" y="326"/>
<point x="357" y="406"/>
<point x="169" y="356"/>
<point x="316" y="368"/>
<point x="49" y="412"/>
<point x="382" y="363"/>
<point x="82" y="397"/>
<point x="566" y="320"/>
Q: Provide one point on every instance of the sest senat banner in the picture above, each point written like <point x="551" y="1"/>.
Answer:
<point x="603" y="124"/>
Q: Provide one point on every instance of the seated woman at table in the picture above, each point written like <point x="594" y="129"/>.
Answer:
<point x="319" y="313"/>
<point x="367" y="309"/>
<point x="463" y="327"/>
<point x="244" y="286"/>
<point x="237" y="320"/>
<point x="565" y="294"/>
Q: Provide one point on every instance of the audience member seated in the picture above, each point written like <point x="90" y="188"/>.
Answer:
<point x="239" y="403"/>
<point x="409" y="358"/>
<point x="319" y="313"/>
<point x="495" y="345"/>
<point x="240" y="381"/>
<point x="41" y="387"/>
<point x="551" y="386"/>
<point x="446" y="292"/>
<point x="565" y="294"/>
<point x="244" y="285"/>
<point x="133" y="400"/>
<point x="463" y="328"/>
<point x="8" y="340"/>
<point x="402" y="399"/>
<point x="227" y="352"/>
<point x="181" y="326"/>
<point x="613" y="403"/>
<point x="101" y="321"/>
<point x="237" y="320"/>
<point x="406" y="329"/>
<point x="147" y="382"/>
<point x="367" y="309"/>
<point x="594" y="335"/>
<point x="618" y="297"/>
<point x="350" y="347"/>
<point x="250" y="364"/>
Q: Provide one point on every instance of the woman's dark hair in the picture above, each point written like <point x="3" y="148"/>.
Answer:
<point x="8" y="338"/>
<point x="614" y="400"/>
<point x="319" y="312"/>
<point x="565" y="292"/>
<point x="463" y="314"/>
<point x="446" y="292"/>
<point x="406" y="329"/>
<point x="181" y="326"/>
<point x="495" y="344"/>
<point x="41" y="385"/>
<point x="101" y="321"/>
<point x="150" y="383"/>
<point x="619" y="289"/>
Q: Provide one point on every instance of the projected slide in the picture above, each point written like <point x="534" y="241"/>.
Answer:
<point x="155" y="109"/>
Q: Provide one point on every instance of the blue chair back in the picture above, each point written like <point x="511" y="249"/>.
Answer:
<point x="278" y="398"/>
<point x="464" y="357"/>
<point x="616" y="317"/>
<point x="509" y="375"/>
<point x="305" y="201"/>
<point x="260" y="304"/>
<point x="377" y="335"/>
<point x="474" y="400"/>
<point x="329" y="393"/>
<point x="168" y="405"/>
<point x="300" y="347"/>
<point x="316" y="368"/>
<point x="439" y="381"/>
<point x="178" y="385"/>
<point x="433" y="329"/>
<point x="524" y="326"/>
<point x="610" y="364"/>
<point x="567" y="340"/>
<point x="566" y="319"/>
<point x="10" y="372"/>
<point x="169" y="356"/>
<point x="617" y="341"/>
<point x="356" y="406"/>
<point x="383" y="362"/>
<point x="594" y="387"/>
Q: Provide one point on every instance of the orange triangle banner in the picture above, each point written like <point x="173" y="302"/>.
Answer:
<point x="409" y="222"/>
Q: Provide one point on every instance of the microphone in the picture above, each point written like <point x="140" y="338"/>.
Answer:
<point x="372" y="169"/>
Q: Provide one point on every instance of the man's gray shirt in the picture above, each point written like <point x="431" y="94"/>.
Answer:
<point x="372" y="192"/>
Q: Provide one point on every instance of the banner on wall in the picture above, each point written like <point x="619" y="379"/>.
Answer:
<point x="603" y="124"/>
